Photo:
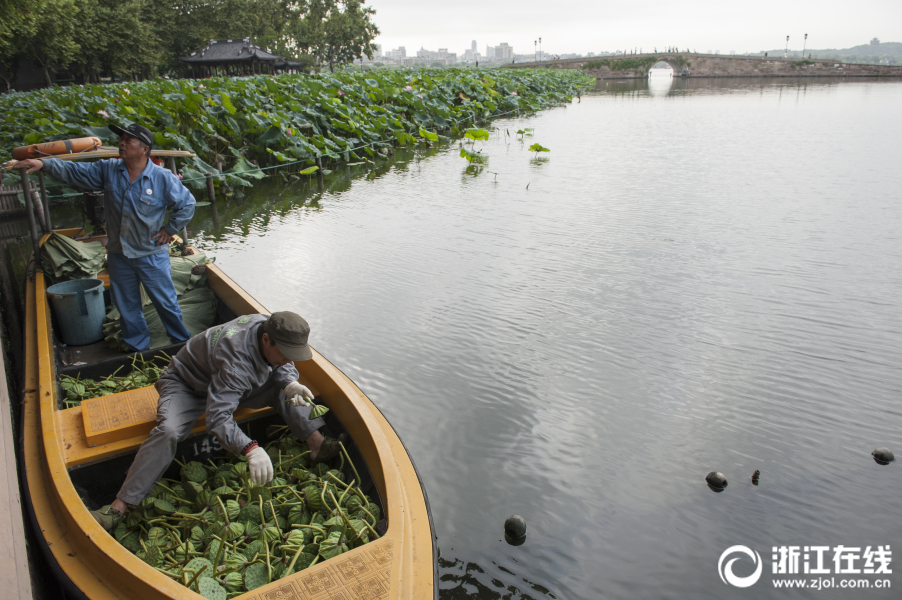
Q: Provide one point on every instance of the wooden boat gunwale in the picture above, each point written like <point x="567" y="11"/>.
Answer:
<point x="76" y="545"/>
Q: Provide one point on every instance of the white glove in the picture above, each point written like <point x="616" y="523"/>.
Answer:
<point x="297" y="394"/>
<point x="260" y="466"/>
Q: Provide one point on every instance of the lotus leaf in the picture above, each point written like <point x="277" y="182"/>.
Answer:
<point x="250" y="512"/>
<point x="155" y="535"/>
<point x="233" y="530"/>
<point x="298" y="516"/>
<point x="253" y="549"/>
<point x="212" y="548"/>
<point x="332" y="546"/>
<point x="197" y="536"/>
<point x="251" y="530"/>
<point x="255" y="576"/>
<point x="153" y="556"/>
<point x="276" y="482"/>
<point x="312" y="498"/>
<point x="210" y="589"/>
<point x="239" y="468"/>
<point x="321" y="469"/>
<point x="231" y="506"/>
<point x="317" y="411"/>
<point x="300" y="474"/>
<point x="258" y="491"/>
<point x="269" y="533"/>
<point x="194" y="471"/>
<point x="132" y="541"/>
<point x="233" y="582"/>
<point x="163" y="507"/>
<point x="184" y="551"/>
<point x="352" y="502"/>
<point x="191" y="490"/>
<point x="224" y="491"/>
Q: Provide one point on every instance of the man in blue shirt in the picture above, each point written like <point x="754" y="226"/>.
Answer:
<point x="137" y="194"/>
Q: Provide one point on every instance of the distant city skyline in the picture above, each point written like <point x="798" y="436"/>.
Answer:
<point x="578" y="26"/>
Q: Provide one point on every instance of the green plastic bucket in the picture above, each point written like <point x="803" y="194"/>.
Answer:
<point x="78" y="306"/>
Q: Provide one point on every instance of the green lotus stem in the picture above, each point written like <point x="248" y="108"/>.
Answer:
<point x="179" y="462"/>
<point x="295" y="559"/>
<point x="196" y="575"/>
<point x="344" y="517"/>
<point x="353" y="468"/>
<point x="370" y="515"/>
<point x="337" y="480"/>
<point x="275" y="521"/>
<point x="347" y="489"/>
<point x="320" y="529"/>
<point x="314" y="561"/>
<point x="219" y="552"/>
<point x="268" y="566"/>
<point x="167" y="573"/>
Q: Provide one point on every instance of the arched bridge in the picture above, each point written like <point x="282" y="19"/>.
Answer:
<point x="713" y="65"/>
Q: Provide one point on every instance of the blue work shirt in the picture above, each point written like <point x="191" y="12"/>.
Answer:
<point x="134" y="210"/>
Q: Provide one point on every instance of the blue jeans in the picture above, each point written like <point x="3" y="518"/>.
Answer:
<point x="155" y="272"/>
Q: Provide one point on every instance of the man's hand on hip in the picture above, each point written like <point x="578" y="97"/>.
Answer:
<point x="33" y="164"/>
<point x="162" y="238"/>
<point x="259" y="465"/>
<point x="297" y="394"/>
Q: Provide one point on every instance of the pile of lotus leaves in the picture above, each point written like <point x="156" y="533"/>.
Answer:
<point x="221" y="536"/>
<point x="143" y="374"/>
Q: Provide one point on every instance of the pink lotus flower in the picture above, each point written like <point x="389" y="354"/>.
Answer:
<point x="289" y="132"/>
<point x="116" y="100"/>
<point x="126" y="90"/>
<point x="408" y="88"/>
<point x="103" y="114"/>
<point x="200" y="86"/>
<point x="419" y="95"/>
<point x="341" y="93"/>
<point x="514" y="94"/>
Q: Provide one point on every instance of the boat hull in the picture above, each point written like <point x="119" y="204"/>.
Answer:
<point x="401" y="564"/>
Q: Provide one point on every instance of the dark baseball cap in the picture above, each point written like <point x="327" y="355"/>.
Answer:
<point x="142" y="133"/>
<point x="290" y="332"/>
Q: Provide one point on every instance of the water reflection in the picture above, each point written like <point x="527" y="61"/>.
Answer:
<point x="660" y="81"/>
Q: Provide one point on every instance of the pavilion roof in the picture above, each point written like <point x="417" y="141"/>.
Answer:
<point x="230" y="51"/>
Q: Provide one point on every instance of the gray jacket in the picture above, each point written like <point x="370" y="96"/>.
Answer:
<point x="225" y="363"/>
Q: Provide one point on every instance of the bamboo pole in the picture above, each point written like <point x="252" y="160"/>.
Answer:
<point x="47" y="222"/>
<point x="29" y="208"/>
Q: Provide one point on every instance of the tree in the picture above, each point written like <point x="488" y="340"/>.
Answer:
<point x="331" y="32"/>
<point x="53" y="44"/>
<point x="116" y="38"/>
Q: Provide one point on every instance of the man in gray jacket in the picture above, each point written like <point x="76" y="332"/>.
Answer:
<point x="245" y="363"/>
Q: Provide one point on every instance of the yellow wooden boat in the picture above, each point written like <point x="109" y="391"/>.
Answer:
<point x="63" y="472"/>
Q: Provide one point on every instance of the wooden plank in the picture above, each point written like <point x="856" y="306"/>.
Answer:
<point x="14" y="577"/>
<point x="119" y="416"/>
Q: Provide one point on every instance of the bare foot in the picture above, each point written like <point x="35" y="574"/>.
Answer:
<point x="314" y="442"/>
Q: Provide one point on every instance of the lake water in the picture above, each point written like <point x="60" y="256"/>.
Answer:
<point x="701" y="275"/>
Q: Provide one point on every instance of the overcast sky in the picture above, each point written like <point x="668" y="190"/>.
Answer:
<point x="590" y="26"/>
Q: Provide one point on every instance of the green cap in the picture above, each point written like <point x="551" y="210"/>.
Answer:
<point x="290" y="332"/>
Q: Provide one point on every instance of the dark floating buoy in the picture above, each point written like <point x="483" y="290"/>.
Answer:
<point x="755" y="476"/>
<point x="883" y="456"/>
<point x="515" y="530"/>
<point x="716" y="480"/>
